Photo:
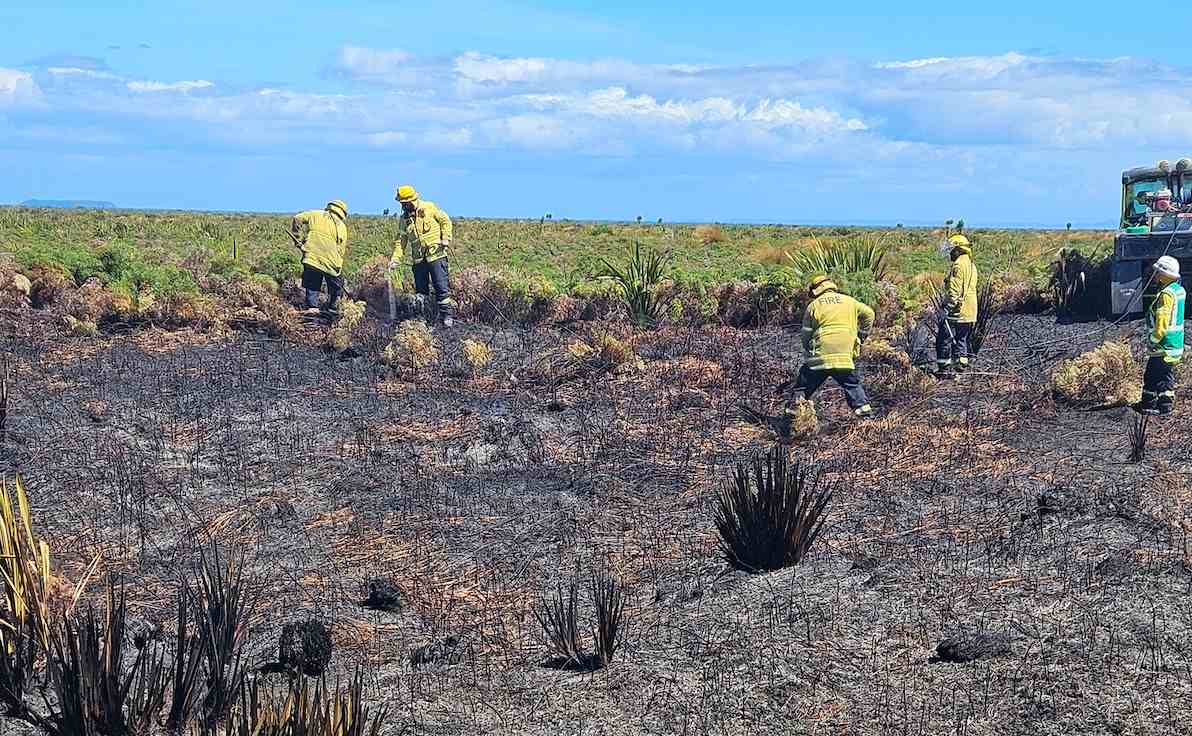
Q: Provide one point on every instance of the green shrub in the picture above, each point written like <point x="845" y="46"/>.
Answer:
<point x="281" y="265"/>
<point x="79" y="261"/>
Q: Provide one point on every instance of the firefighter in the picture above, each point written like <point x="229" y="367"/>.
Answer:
<point x="959" y="312"/>
<point x="834" y="326"/>
<point x="1165" y="339"/>
<point x="322" y="236"/>
<point x="424" y="235"/>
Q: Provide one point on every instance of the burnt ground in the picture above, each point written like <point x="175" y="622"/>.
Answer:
<point x="975" y="512"/>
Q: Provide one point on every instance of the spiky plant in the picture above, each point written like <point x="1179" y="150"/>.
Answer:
<point x="639" y="278"/>
<point x="987" y="311"/>
<point x="306" y="710"/>
<point x="1079" y="284"/>
<point x="95" y="692"/>
<point x="851" y="256"/>
<point x="608" y="595"/>
<point x="25" y="566"/>
<point x="559" y="617"/>
<point x="1136" y="434"/>
<point x="770" y="513"/>
<point x="226" y="603"/>
<point x="188" y="666"/>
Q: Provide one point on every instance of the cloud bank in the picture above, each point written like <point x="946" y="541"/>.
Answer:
<point x="933" y="120"/>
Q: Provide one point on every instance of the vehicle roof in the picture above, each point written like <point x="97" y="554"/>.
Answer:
<point x="1142" y="173"/>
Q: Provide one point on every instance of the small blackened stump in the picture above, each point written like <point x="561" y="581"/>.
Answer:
<point x="970" y="647"/>
<point x="305" y="647"/>
<point x="383" y="595"/>
<point x="447" y="651"/>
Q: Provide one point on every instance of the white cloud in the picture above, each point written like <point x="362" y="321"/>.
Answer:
<point x="73" y="71"/>
<point x="17" y="87"/>
<point x="387" y="139"/>
<point x="150" y="87"/>
<point x="372" y="61"/>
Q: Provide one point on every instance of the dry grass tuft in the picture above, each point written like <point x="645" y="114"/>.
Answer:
<point x="708" y="234"/>
<point x="881" y="352"/>
<point x="803" y="420"/>
<point x="49" y="285"/>
<point x="351" y="314"/>
<point x="337" y="339"/>
<point x="79" y="327"/>
<point x="1106" y="375"/>
<point x="478" y="355"/>
<point x="414" y="346"/>
<point x="602" y="352"/>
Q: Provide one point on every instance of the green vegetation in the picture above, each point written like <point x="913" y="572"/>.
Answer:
<point x="737" y="274"/>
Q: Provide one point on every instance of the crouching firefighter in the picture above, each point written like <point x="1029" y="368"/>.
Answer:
<point x="1165" y="339"/>
<point x="959" y="312"/>
<point x="424" y="235"/>
<point x="834" y="326"/>
<point x="322" y="236"/>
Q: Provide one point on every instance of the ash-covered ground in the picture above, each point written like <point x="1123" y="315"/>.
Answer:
<point x="975" y="511"/>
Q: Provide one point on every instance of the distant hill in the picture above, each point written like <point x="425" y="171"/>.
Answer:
<point x="69" y="204"/>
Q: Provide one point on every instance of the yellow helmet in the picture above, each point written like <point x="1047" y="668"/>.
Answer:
<point x="339" y="207"/>
<point x="819" y="284"/>
<point x="962" y="243"/>
<point x="406" y="193"/>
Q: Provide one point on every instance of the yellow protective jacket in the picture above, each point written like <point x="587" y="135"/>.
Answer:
<point x="423" y="236"/>
<point x="1165" y="336"/>
<point x="323" y="238"/>
<point x="833" y="326"/>
<point x="960" y="288"/>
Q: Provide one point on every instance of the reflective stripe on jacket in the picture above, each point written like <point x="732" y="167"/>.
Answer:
<point x="960" y="288"/>
<point x="423" y="236"/>
<point x="833" y="324"/>
<point x="323" y="238"/>
<point x="1165" y="323"/>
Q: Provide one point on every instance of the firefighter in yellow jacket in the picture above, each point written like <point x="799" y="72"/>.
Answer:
<point x="424" y="235"/>
<point x="834" y="326"/>
<point x="1165" y="339"/>
<point x="322" y="236"/>
<point x="959" y="313"/>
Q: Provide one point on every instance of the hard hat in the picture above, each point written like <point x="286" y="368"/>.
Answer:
<point x="339" y="207"/>
<point x="819" y="284"/>
<point x="1168" y="266"/>
<point x="960" y="242"/>
<point x="406" y="193"/>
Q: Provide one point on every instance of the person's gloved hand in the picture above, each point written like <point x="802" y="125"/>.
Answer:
<point x="394" y="264"/>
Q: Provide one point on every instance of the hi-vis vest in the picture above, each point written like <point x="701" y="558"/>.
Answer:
<point x="1170" y="346"/>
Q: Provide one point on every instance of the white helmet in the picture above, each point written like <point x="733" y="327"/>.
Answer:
<point x="1168" y="266"/>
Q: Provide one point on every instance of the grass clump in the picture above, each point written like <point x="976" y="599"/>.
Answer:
<point x="478" y="355"/>
<point x="801" y="420"/>
<point x="602" y="352"/>
<point x="1103" y="376"/>
<point x="709" y="234"/>
<point x="79" y="327"/>
<point x="414" y="346"/>
<point x="770" y="513"/>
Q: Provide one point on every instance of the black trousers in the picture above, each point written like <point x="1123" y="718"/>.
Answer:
<point x="1158" y="384"/>
<point x="849" y="379"/>
<point x="951" y="342"/>
<point x="313" y="280"/>
<point x="434" y="276"/>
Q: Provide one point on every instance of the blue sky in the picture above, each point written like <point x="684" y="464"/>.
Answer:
<point x="762" y="111"/>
